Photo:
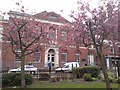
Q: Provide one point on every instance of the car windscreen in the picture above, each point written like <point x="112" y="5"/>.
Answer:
<point x="66" y="66"/>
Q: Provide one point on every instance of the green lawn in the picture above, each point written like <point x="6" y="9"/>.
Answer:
<point x="80" y="84"/>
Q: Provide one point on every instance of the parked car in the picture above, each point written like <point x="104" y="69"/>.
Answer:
<point x="28" y="68"/>
<point x="67" y="67"/>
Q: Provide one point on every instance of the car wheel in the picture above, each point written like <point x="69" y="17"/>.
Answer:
<point x="33" y="72"/>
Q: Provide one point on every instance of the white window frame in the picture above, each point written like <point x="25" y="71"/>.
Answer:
<point x="112" y="51"/>
<point x="76" y="58"/>
<point x="52" y="32"/>
<point x="63" y="35"/>
<point x="65" y="57"/>
<point x="37" y="52"/>
<point x="17" y="59"/>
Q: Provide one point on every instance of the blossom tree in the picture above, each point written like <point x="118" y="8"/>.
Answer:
<point x="96" y="27"/>
<point x="25" y="35"/>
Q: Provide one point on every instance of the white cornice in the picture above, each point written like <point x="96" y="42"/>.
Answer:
<point x="39" y="20"/>
<point x="51" y="22"/>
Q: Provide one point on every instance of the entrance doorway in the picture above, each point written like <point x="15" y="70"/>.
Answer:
<point x="51" y="58"/>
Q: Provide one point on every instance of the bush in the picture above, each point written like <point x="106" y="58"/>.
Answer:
<point x="112" y="79"/>
<point x="14" y="79"/>
<point x="44" y="76"/>
<point x="87" y="77"/>
<point x="76" y="72"/>
<point x="111" y="74"/>
<point x="118" y="80"/>
<point x="92" y="70"/>
<point x="94" y="79"/>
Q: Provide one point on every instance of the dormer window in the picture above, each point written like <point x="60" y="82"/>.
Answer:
<point x="53" y="16"/>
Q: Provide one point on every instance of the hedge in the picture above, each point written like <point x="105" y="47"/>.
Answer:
<point x="44" y="76"/>
<point x="14" y="79"/>
<point x="87" y="77"/>
<point x="118" y="80"/>
<point x="92" y="70"/>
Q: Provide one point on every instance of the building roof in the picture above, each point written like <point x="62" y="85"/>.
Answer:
<point x="48" y="16"/>
<point x="18" y="13"/>
<point x="51" y="16"/>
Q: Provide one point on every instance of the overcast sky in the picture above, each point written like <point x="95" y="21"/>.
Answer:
<point x="43" y="5"/>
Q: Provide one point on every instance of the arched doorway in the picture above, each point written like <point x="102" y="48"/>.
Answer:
<point x="51" y="57"/>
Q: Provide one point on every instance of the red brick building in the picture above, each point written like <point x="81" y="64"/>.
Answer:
<point x="52" y="53"/>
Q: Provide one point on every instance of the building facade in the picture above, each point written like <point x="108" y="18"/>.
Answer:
<point x="57" y="53"/>
<point x="52" y="53"/>
<point x="1" y="20"/>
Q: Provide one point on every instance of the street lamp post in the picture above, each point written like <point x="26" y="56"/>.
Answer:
<point x="49" y="67"/>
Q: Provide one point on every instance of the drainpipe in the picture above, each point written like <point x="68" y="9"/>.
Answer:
<point x="0" y="54"/>
<point x="119" y="35"/>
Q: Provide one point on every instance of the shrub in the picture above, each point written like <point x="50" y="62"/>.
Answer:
<point x="118" y="80"/>
<point x="94" y="79"/>
<point x="44" y="76"/>
<point x="92" y="70"/>
<point x="76" y="72"/>
<point x="87" y="77"/>
<point x="111" y="74"/>
<point x="14" y="79"/>
<point x="112" y="79"/>
<point x="28" y="79"/>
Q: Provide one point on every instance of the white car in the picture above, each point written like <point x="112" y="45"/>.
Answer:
<point x="28" y="68"/>
<point x="68" y="67"/>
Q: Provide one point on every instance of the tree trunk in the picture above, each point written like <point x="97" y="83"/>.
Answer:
<point x="118" y="66"/>
<point x="104" y="70"/>
<point x="23" y="85"/>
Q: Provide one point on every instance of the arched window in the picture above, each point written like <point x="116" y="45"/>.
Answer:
<point x="51" y="51"/>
